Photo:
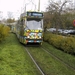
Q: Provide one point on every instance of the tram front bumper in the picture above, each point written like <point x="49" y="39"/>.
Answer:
<point x="34" y="40"/>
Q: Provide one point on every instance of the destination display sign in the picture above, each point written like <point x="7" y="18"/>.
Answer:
<point x="35" y="14"/>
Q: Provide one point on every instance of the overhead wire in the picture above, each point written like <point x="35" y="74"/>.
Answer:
<point x="33" y="4"/>
<point x="25" y="3"/>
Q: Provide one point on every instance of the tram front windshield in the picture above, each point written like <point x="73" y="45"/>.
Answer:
<point x="34" y="24"/>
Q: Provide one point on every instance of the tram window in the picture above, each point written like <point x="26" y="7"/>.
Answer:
<point x="22" y="22"/>
<point x="34" y="23"/>
<point x="34" y="19"/>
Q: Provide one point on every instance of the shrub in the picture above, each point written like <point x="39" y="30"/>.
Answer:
<point x="67" y="44"/>
<point x="1" y="29"/>
<point x="46" y="37"/>
<point x="4" y="31"/>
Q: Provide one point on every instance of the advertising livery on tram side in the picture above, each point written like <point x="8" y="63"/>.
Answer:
<point x="29" y="28"/>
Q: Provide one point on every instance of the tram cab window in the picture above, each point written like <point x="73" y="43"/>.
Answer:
<point x="34" y="23"/>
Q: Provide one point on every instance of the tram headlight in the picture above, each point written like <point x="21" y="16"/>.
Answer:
<point x="40" y="37"/>
<point x="28" y="36"/>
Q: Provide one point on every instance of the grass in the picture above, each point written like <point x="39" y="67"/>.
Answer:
<point x="14" y="60"/>
<point x="68" y="58"/>
<point x="50" y="65"/>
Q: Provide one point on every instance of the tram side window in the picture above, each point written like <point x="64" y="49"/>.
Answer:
<point x="22" y="22"/>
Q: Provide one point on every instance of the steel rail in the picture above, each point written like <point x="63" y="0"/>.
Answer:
<point x="57" y="58"/>
<point x="35" y="62"/>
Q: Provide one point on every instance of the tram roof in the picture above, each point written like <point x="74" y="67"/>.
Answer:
<point x="25" y="13"/>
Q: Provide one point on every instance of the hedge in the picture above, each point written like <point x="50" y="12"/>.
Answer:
<point x="64" y="43"/>
<point x="4" y="31"/>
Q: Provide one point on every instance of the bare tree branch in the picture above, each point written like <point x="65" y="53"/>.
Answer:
<point x="60" y="10"/>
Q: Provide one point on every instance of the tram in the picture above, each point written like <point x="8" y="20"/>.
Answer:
<point x="29" y="28"/>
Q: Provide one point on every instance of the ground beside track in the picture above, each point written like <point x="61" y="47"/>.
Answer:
<point x="14" y="60"/>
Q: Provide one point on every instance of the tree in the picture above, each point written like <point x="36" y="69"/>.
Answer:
<point x="47" y="19"/>
<point x="10" y="20"/>
<point x="54" y="14"/>
<point x="10" y="15"/>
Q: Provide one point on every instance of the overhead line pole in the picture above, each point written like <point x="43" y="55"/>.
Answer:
<point x="39" y="5"/>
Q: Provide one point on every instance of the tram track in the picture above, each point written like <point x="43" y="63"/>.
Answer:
<point x="57" y="58"/>
<point x="38" y="55"/>
<point x="39" y="68"/>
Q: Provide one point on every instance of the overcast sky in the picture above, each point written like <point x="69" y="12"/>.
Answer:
<point x="17" y="6"/>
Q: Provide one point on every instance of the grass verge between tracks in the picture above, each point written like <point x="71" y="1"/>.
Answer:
<point x="50" y="65"/>
<point x="14" y="60"/>
<point x="67" y="58"/>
